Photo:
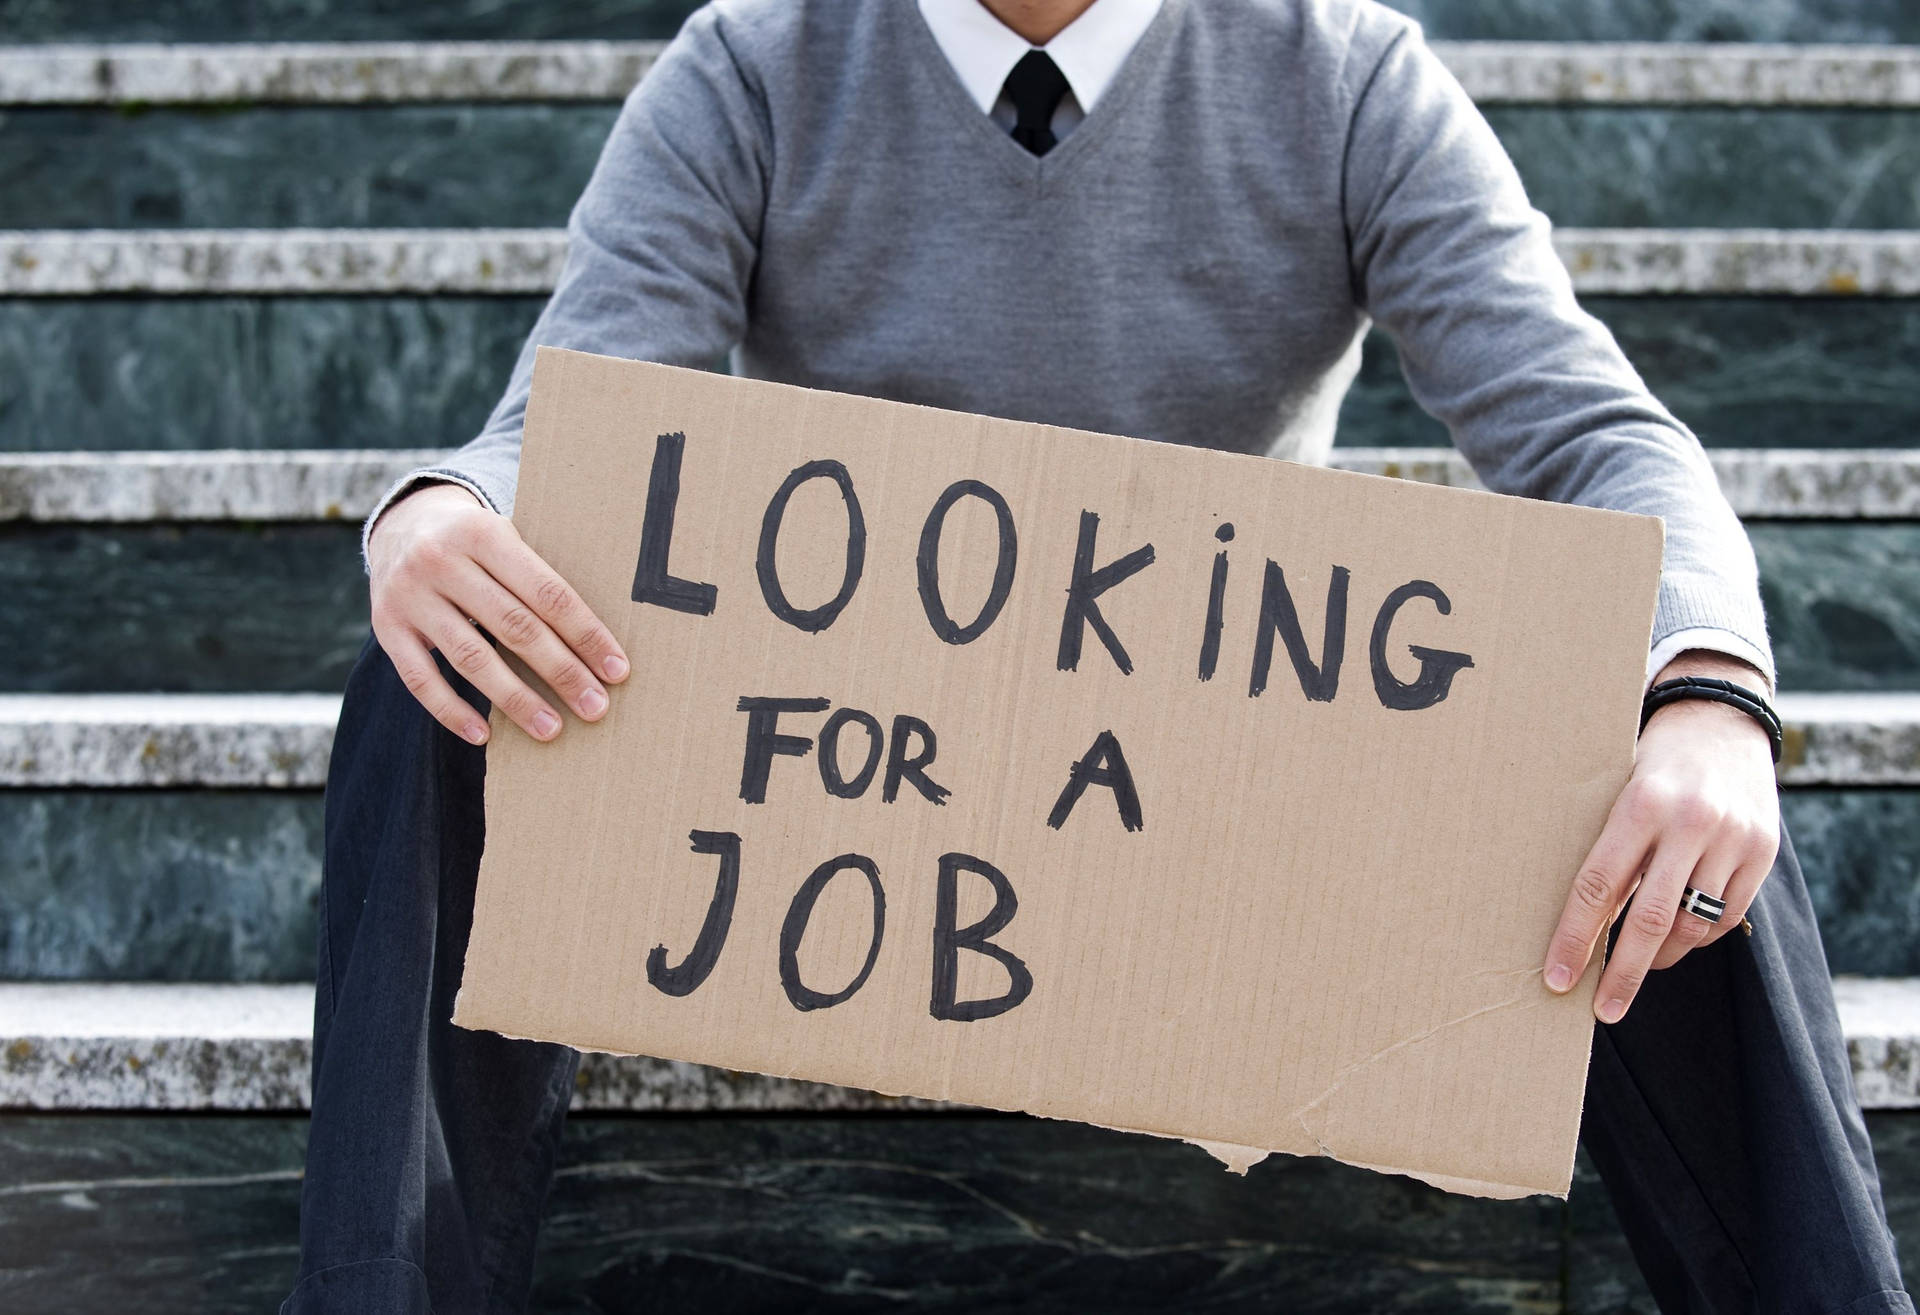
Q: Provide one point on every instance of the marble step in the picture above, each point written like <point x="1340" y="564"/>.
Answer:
<point x="281" y="741"/>
<point x="937" y="1213"/>
<point x="244" y="605"/>
<point x="196" y="1046"/>
<point x="1856" y="22"/>
<point x="277" y="262"/>
<point x="455" y="165"/>
<point x="402" y="72"/>
<point x="187" y="884"/>
<point x="271" y="373"/>
<point x="325" y="484"/>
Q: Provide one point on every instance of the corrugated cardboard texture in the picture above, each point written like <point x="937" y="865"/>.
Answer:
<point x="1325" y="935"/>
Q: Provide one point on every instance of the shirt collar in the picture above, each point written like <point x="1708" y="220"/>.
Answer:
<point x="1089" y="51"/>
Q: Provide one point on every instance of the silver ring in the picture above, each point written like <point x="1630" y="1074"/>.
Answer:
<point x="1702" y="905"/>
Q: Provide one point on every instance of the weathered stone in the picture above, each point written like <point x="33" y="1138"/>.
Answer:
<point x="1700" y="262"/>
<point x="177" y="1046"/>
<point x="1850" y="739"/>
<point x="279" y="261"/>
<point x="221" y="740"/>
<point x="1509" y="72"/>
<point x="169" y="1046"/>
<point x="1881" y="1039"/>
<point x="380" y="73"/>
<point x="1504" y="72"/>
<point x="282" y="486"/>
<point x="380" y="20"/>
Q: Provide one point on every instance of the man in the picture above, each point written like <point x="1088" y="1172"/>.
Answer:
<point x="1175" y="221"/>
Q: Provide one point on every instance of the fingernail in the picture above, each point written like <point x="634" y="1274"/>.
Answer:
<point x="1612" y="1011"/>
<point x="592" y="703"/>
<point x="1559" y="977"/>
<point x="546" y="725"/>
<point x="477" y="732"/>
<point x="615" y="666"/>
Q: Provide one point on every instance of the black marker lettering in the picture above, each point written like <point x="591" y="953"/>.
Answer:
<point x="652" y="582"/>
<point x="1216" y="606"/>
<point x="804" y="998"/>
<point x="1084" y="590"/>
<point x="1277" y="613"/>
<point x="902" y="768"/>
<point x="811" y="620"/>
<point x="686" y="978"/>
<point x="830" y="776"/>
<point x="1103" y="764"/>
<point x="949" y="940"/>
<point x="928" y="563"/>
<point x="764" y="741"/>
<point x="1438" y="667"/>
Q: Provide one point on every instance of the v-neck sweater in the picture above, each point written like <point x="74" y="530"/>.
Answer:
<point x="807" y="185"/>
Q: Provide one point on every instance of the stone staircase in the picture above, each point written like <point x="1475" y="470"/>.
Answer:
<point x="246" y="281"/>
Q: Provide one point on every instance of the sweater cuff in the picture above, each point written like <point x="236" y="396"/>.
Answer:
<point x="1703" y="612"/>
<point x="1705" y="639"/>
<point x="406" y="484"/>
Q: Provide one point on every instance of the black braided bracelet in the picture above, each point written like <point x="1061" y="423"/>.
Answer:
<point x="1717" y="691"/>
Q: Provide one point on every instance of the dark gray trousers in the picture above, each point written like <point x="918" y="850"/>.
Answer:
<point x="1720" y="1112"/>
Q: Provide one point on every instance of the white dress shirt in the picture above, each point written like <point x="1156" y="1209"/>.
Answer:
<point x="1089" y="52"/>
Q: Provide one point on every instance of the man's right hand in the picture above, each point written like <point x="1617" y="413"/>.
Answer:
<point x="441" y="561"/>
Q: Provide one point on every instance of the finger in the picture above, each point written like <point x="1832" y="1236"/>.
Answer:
<point x="1598" y="888"/>
<point x="1744" y="888"/>
<point x="1711" y="875"/>
<point x="1648" y="921"/>
<point x="421" y="675"/>
<point x="469" y="653"/>
<point x="525" y="575"/>
<point x="514" y="624"/>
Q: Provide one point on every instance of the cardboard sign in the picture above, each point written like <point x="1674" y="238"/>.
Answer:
<point x="1178" y="791"/>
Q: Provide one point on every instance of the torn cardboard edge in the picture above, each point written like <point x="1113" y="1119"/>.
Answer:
<point x="1234" y="1158"/>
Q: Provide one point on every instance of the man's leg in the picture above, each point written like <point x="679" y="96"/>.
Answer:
<point x="432" y="1147"/>
<point x="1720" y="1113"/>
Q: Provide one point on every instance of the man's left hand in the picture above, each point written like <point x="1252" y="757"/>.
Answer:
<point x="1701" y="810"/>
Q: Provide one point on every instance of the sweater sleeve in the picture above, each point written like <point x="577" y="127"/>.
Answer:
<point x="660" y="245"/>
<point x="1451" y="259"/>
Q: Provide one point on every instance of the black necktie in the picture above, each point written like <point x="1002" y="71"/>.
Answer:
<point x="1036" y="87"/>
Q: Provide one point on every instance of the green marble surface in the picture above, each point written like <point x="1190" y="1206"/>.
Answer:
<point x="1740" y="371"/>
<point x="212" y="607"/>
<point x="216" y="886"/>
<point x="523" y="165"/>
<point x="159" y="885"/>
<point x="236" y="372"/>
<point x="362" y="20"/>
<point x="932" y="1214"/>
<point x="333" y="372"/>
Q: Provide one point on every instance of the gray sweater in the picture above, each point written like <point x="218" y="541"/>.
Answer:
<point x="806" y="184"/>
